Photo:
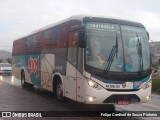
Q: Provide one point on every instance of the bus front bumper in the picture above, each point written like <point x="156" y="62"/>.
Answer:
<point x="103" y="96"/>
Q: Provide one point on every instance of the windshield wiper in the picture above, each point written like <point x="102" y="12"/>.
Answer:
<point x="139" y="51"/>
<point x="113" y="52"/>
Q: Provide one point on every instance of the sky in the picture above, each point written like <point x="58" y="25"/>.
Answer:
<point x="21" y="17"/>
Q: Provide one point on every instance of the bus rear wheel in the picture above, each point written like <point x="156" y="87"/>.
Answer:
<point x="59" y="91"/>
<point x="23" y="82"/>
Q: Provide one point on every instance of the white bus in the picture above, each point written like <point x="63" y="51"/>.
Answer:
<point x="88" y="59"/>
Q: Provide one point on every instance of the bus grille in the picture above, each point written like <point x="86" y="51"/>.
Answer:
<point x="116" y="97"/>
<point x="122" y="90"/>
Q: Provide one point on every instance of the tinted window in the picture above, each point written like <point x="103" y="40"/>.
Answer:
<point x="48" y="36"/>
<point x="52" y="36"/>
<point x="33" y="42"/>
<point x="56" y="35"/>
<point x="72" y="47"/>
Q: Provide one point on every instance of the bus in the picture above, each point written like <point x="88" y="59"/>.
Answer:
<point x="89" y="59"/>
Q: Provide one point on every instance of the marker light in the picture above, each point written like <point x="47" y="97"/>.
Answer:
<point x="148" y="97"/>
<point x="90" y="99"/>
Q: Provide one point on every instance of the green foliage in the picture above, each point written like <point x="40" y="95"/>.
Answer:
<point x="155" y="65"/>
<point x="155" y="71"/>
<point x="155" y="68"/>
<point x="156" y="85"/>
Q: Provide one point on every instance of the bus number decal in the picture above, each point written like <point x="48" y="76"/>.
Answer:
<point x="137" y="84"/>
<point x="59" y="68"/>
<point x="33" y="64"/>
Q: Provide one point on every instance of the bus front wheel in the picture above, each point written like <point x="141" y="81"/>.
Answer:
<point x="59" y="91"/>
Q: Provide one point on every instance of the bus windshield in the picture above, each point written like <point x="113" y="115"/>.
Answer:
<point x="132" y="54"/>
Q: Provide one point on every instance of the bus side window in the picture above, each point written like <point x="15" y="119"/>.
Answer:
<point x="48" y="36"/>
<point x="56" y="35"/>
<point x="28" y="42"/>
<point x="33" y="42"/>
<point x="72" y="47"/>
<point x="36" y="41"/>
<point x="52" y="36"/>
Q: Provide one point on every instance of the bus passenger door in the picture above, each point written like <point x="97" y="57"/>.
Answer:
<point x="71" y="71"/>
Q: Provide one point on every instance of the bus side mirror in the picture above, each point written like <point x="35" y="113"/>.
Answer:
<point x="82" y="40"/>
<point x="148" y="35"/>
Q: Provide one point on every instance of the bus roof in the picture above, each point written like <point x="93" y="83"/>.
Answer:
<point x="93" y="18"/>
<point x="84" y="18"/>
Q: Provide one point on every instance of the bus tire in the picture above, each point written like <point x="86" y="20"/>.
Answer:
<point x="59" y="91"/>
<point x="23" y="82"/>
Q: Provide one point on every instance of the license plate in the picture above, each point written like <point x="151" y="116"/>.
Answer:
<point x="113" y="86"/>
<point x="123" y="102"/>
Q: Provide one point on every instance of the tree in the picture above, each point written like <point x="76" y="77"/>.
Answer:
<point x="1" y="60"/>
<point x="9" y="60"/>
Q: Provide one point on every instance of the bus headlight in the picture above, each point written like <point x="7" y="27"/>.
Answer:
<point x="147" y="85"/>
<point x="94" y="84"/>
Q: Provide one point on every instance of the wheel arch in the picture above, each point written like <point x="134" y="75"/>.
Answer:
<point x="57" y="77"/>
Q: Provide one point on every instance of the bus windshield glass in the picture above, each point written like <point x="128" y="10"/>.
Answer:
<point x="126" y="50"/>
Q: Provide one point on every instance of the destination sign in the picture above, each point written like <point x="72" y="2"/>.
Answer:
<point x="101" y="26"/>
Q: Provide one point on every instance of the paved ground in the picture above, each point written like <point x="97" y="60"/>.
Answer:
<point x="16" y="98"/>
